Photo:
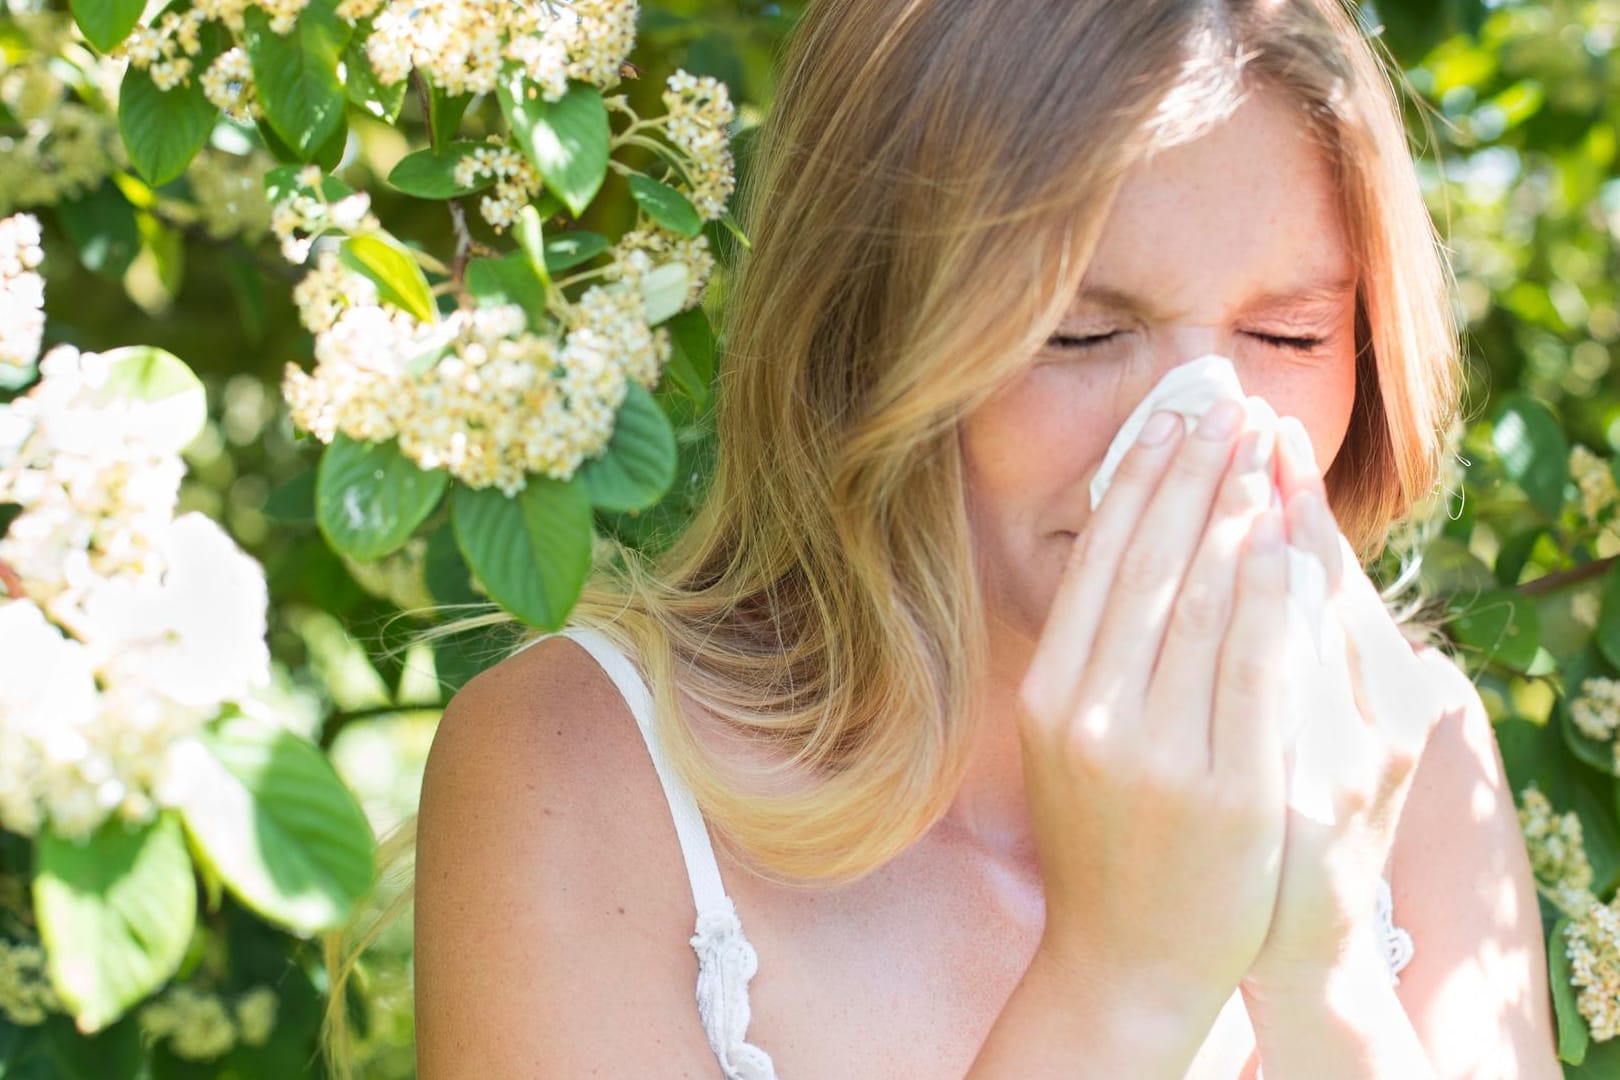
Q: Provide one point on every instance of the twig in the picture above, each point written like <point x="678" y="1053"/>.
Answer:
<point x="1573" y="576"/>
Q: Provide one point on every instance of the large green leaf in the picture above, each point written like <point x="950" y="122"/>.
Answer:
<point x="567" y="250"/>
<point x="296" y="74"/>
<point x="382" y="100"/>
<point x="665" y="205"/>
<point x="369" y="498"/>
<point x="567" y="140"/>
<point x="163" y="130"/>
<point x="1607" y="634"/>
<point x="1533" y="451"/>
<point x="532" y="552"/>
<point x="1573" y="1035"/>
<point x="115" y="914"/>
<point x="106" y="23"/>
<point x="271" y="818"/>
<point x="444" y="114"/>
<point x="1501" y="626"/>
<point x="430" y="174"/>
<point x="102" y="228"/>
<point x="398" y="279"/>
<point x="638" y="465"/>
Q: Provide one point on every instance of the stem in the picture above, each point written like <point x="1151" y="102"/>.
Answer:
<point x="1561" y="579"/>
<point x="334" y="724"/>
<point x="426" y="101"/>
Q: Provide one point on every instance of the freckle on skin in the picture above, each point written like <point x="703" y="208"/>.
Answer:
<point x="621" y="911"/>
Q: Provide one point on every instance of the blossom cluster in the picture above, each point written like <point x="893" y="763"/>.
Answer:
<point x="699" y="115"/>
<point x="1596" y="711"/>
<point x="22" y="291"/>
<point x="164" y="49"/>
<point x="1595" y="482"/>
<point x="306" y="213"/>
<point x="126" y="628"/>
<point x="640" y="251"/>
<point x="60" y="148"/>
<point x="476" y="393"/>
<point x="228" y="86"/>
<point x="462" y="46"/>
<point x="517" y="182"/>
<point x="1592" y="943"/>
<point x="201" y="1026"/>
<point x="26" y="994"/>
<point x="1557" y="852"/>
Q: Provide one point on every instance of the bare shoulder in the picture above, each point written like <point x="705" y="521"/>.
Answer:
<point x="552" y="907"/>
<point x="1476" y="987"/>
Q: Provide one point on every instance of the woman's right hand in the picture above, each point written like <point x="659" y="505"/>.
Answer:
<point x="1150" y="730"/>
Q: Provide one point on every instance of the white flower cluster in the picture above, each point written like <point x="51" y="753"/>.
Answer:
<point x="1594" y="480"/>
<point x="228" y="85"/>
<point x="125" y="628"/>
<point x="65" y="148"/>
<point x="164" y="49"/>
<point x="22" y="291"/>
<point x="26" y="995"/>
<point x="1592" y="943"/>
<point x="202" y="1026"/>
<point x="300" y="217"/>
<point x="700" y="114"/>
<point x="517" y="182"/>
<point x="1557" y="852"/>
<point x="477" y="393"/>
<point x="640" y="251"/>
<point x="1596" y="710"/>
<point x="461" y="46"/>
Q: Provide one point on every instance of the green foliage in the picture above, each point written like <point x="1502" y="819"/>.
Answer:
<point x="297" y="74"/>
<point x="531" y="552"/>
<point x="163" y="129"/>
<point x="567" y="140"/>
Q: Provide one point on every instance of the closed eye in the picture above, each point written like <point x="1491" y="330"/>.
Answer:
<point x="1298" y="344"/>
<point x="1081" y="341"/>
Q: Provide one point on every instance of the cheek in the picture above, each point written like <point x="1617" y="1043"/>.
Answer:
<point x="1030" y="450"/>
<point x="1320" y="396"/>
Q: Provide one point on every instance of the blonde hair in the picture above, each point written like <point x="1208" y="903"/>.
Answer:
<point x="823" y="605"/>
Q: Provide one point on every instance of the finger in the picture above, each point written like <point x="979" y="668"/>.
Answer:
<point x="1313" y="530"/>
<point x="1181" y="694"/>
<point x="1296" y="459"/>
<point x="1151" y="569"/>
<point x="1246" y="728"/>
<point x="1392" y="688"/>
<point x="1071" y="621"/>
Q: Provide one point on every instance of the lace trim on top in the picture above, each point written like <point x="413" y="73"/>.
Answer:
<point x="726" y="959"/>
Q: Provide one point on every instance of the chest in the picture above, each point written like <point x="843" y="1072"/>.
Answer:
<point x="903" y="975"/>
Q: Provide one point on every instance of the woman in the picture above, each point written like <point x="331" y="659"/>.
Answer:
<point x="991" y="781"/>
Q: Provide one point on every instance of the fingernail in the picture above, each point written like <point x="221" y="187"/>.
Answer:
<point x="1158" y="428"/>
<point x="1298" y="440"/>
<point x="1254" y="452"/>
<point x="1221" y="420"/>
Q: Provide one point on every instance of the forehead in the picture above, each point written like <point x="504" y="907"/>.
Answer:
<point x="1249" y="209"/>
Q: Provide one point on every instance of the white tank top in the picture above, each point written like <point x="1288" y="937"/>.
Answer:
<point x="726" y="960"/>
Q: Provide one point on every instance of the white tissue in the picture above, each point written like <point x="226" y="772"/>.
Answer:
<point x="1310" y="685"/>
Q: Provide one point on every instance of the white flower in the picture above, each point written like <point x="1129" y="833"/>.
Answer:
<point x="49" y="693"/>
<point x="1596" y="483"/>
<point x="22" y="291"/>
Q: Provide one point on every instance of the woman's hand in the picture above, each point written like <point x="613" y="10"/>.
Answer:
<point x="1150" y="731"/>
<point x="1379" y="721"/>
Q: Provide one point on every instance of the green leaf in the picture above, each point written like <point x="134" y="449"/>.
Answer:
<point x="163" y="130"/>
<point x="532" y="552"/>
<point x="268" y="814"/>
<point x="328" y="155"/>
<point x="663" y="291"/>
<point x="665" y="205"/>
<point x="369" y="498"/>
<point x="115" y="914"/>
<point x="282" y="181"/>
<point x="691" y="359"/>
<point x="102" y="227"/>
<point x="292" y="503"/>
<point x="567" y="140"/>
<point x="445" y="113"/>
<point x="177" y="404"/>
<point x="1607" y="634"/>
<point x="1573" y="1035"/>
<point x="446" y="571"/>
<point x="568" y="250"/>
<point x="508" y="280"/>
<point x="1500" y="625"/>
<point x="531" y="241"/>
<point x="1534" y="454"/>
<point x="430" y="174"/>
<point x="360" y="83"/>
<point x="398" y="279"/>
<point x="296" y="75"/>
<point x="638" y="465"/>
<point x="106" y="23"/>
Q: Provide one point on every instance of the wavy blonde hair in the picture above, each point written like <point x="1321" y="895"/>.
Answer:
<point x="823" y="605"/>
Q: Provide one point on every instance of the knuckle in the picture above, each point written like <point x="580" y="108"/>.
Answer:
<point x="1141" y="568"/>
<point x="1247" y="674"/>
<point x="1087" y="549"/>
<point x="1200" y="611"/>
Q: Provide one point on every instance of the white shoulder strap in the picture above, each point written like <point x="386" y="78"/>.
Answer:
<point x="702" y="870"/>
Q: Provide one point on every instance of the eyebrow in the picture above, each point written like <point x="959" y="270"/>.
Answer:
<point x="1310" y="293"/>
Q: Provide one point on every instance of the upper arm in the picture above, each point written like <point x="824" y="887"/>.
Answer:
<point x="552" y="910"/>
<point x="1476" y="987"/>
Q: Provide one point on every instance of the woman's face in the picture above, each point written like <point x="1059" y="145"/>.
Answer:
<point x="1231" y="244"/>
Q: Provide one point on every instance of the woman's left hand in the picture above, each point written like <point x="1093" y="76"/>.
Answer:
<point x="1387" y="701"/>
